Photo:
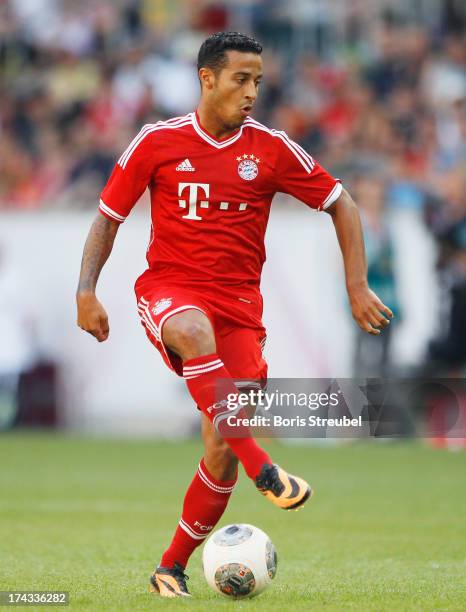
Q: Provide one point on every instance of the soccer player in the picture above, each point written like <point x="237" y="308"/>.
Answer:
<point x="212" y="175"/>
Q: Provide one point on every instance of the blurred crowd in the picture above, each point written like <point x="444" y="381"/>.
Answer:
<point x="376" y="91"/>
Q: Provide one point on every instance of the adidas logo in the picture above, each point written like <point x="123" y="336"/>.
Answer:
<point x="185" y="166"/>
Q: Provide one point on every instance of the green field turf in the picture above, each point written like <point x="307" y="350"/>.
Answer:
<point x="385" y="530"/>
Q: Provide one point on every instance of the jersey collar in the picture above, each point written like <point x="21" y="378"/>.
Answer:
<point x="218" y="144"/>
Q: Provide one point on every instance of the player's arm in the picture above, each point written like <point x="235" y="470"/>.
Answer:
<point x="129" y="179"/>
<point x="368" y="311"/>
<point x="91" y="314"/>
<point x="298" y="174"/>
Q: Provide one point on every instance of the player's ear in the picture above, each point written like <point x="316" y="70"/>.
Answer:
<point x="207" y="78"/>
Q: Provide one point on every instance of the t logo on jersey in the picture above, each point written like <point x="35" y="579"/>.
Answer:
<point x="192" y="201"/>
<point x="201" y="189"/>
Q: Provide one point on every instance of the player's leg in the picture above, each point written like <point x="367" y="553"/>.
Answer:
<point x="241" y="349"/>
<point x="220" y="461"/>
<point x="190" y="335"/>
<point x="204" y="503"/>
<point x="182" y="319"/>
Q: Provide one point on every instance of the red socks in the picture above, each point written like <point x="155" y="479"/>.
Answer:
<point x="204" y="503"/>
<point x="210" y="384"/>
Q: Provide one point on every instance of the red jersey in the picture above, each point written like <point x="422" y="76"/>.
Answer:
<point x="210" y="199"/>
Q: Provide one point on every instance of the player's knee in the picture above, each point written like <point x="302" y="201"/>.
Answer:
<point x="190" y="337"/>
<point x="196" y="338"/>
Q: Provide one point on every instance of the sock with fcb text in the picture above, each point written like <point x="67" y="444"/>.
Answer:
<point x="204" y="503"/>
<point x="210" y="384"/>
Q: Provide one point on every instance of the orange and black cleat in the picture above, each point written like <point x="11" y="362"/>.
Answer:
<point x="169" y="582"/>
<point x="284" y="490"/>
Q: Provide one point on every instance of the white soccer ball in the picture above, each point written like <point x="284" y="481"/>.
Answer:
<point x="239" y="561"/>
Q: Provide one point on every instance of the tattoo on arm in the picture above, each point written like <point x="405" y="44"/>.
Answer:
<point x="97" y="249"/>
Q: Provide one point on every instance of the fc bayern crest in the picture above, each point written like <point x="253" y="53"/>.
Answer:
<point x="248" y="167"/>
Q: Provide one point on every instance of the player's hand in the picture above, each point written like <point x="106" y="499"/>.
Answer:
<point x="369" y="312"/>
<point x="92" y="316"/>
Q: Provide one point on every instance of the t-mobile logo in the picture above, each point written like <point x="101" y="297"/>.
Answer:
<point x="192" y="202"/>
<point x="199" y="190"/>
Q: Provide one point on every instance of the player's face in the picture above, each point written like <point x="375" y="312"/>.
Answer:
<point x="235" y="88"/>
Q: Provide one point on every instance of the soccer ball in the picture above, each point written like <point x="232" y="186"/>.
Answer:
<point x="239" y="561"/>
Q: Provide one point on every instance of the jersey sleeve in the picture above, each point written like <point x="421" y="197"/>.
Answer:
<point x="130" y="177"/>
<point x="299" y="175"/>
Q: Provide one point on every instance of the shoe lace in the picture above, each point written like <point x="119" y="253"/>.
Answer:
<point x="179" y="574"/>
<point x="269" y="481"/>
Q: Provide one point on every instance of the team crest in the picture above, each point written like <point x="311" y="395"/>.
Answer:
<point x="248" y="167"/>
<point x="161" y="305"/>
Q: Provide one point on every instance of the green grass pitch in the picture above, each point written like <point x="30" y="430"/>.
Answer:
<point x="386" y="529"/>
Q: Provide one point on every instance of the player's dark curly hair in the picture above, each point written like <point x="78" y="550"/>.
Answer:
<point x="212" y="53"/>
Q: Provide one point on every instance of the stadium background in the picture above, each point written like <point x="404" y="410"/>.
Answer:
<point x="376" y="91"/>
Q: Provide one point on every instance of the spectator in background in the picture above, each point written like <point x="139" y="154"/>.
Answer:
<point x="447" y="353"/>
<point x="447" y="218"/>
<point x="390" y="84"/>
<point x="372" y="354"/>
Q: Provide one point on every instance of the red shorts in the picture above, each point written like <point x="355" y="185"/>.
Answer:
<point x="236" y="320"/>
